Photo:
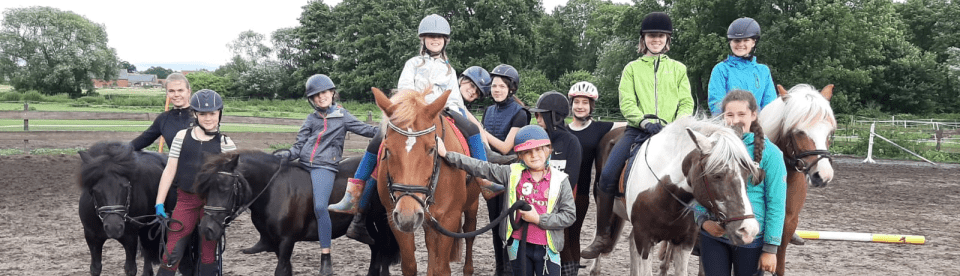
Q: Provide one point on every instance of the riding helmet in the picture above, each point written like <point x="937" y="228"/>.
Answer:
<point x="434" y="24"/>
<point x="318" y="83"/>
<point x="507" y="71"/>
<point x="206" y="100"/>
<point x="480" y="77"/>
<point x="744" y="27"/>
<point x="530" y="137"/>
<point x="656" y="22"/>
<point x="555" y="108"/>
<point x="583" y="89"/>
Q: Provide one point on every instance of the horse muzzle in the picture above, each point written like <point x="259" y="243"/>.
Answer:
<point x="407" y="220"/>
<point x="210" y="229"/>
<point x="113" y="226"/>
<point x="742" y="231"/>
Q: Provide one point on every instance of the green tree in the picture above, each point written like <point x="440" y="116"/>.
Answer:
<point x="532" y="84"/>
<point x="489" y="33"/>
<point x="53" y="51"/>
<point x="249" y="46"/>
<point x="161" y="72"/>
<point x="206" y="80"/>
<point x="126" y="65"/>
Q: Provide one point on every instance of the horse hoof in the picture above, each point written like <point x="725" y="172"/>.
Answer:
<point x="257" y="248"/>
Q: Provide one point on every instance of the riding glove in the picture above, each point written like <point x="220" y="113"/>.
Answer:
<point x="653" y="128"/>
<point x="161" y="211"/>
<point x="284" y="155"/>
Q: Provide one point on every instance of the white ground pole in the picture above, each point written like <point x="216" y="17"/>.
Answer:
<point x="861" y="237"/>
<point x="870" y="147"/>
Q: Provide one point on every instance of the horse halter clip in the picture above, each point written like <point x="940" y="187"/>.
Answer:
<point x="411" y="190"/>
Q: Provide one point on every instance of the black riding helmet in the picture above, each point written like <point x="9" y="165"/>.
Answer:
<point x="480" y="78"/>
<point x="554" y="108"/>
<point x="316" y="84"/>
<point x="511" y="74"/>
<point x="207" y="100"/>
<point x="656" y="22"/>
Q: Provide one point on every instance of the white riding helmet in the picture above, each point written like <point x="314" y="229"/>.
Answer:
<point x="585" y="89"/>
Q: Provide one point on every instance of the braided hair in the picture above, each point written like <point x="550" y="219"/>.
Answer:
<point x="746" y="96"/>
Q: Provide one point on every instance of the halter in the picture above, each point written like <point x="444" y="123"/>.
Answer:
<point x="411" y="190"/>
<point x="796" y="160"/>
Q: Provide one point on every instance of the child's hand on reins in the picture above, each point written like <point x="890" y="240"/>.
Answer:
<point x="442" y="150"/>
<point x="530" y="216"/>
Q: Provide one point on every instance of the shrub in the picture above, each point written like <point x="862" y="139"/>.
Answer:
<point x="32" y="96"/>
<point x="11" y="96"/>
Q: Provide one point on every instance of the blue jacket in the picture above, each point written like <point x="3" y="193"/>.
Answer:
<point x="739" y="73"/>
<point x="769" y="198"/>
<point x="320" y="140"/>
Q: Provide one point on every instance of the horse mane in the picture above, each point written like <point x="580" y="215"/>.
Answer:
<point x="108" y="158"/>
<point x="801" y="109"/>
<point x="728" y="152"/>
<point x="413" y="102"/>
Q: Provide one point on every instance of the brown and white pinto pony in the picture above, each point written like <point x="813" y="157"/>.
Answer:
<point x="415" y="185"/>
<point x="800" y="122"/>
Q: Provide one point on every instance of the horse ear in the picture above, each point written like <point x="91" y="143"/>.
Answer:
<point x="780" y="91"/>
<point x="701" y="141"/>
<point x="382" y="101"/>
<point x="85" y="156"/>
<point x="438" y="104"/>
<point x="827" y="91"/>
<point x="233" y="162"/>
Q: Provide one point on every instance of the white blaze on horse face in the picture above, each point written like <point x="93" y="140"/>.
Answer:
<point x="750" y="227"/>
<point x="820" y="133"/>
<point x="410" y="141"/>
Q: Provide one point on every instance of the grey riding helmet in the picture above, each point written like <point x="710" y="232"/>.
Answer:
<point x="744" y="27"/>
<point x="434" y="24"/>
<point x="318" y="83"/>
<point x="480" y="77"/>
<point x="206" y="100"/>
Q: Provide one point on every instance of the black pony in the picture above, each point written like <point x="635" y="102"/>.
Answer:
<point x="283" y="213"/>
<point x="118" y="185"/>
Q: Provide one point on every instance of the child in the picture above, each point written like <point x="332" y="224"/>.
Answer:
<point x="536" y="182"/>
<point x="322" y="133"/>
<point x="740" y="70"/>
<point x="768" y="199"/>
<point x="186" y="156"/>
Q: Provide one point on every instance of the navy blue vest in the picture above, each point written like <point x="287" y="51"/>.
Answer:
<point x="499" y="117"/>
<point x="191" y="157"/>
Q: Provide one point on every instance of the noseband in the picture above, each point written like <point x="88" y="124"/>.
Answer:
<point x="712" y="200"/>
<point x="235" y="208"/>
<point x="120" y="210"/>
<point x="796" y="160"/>
<point x="412" y="190"/>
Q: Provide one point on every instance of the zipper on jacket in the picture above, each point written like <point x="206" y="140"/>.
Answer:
<point x="315" y="145"/>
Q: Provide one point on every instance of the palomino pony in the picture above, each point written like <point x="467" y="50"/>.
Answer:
<point x="280" y="199"/>
<point x="119" y="185"/>
<point x="689" y="160"/>
<point x="800" y="122"/>
<point x="416" y="185"/>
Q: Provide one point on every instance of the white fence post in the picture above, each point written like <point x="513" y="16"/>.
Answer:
<point x="870" y="146"/>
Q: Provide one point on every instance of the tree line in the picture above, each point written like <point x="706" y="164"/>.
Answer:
<point x="883" y="56"/>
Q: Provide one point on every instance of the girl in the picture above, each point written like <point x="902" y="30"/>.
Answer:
<point x="654" y="89"/>
<point x="740" y="70"/>
<point x="186" y="156"/>
<point x="322" y="133"/>
<point x="547" y="189"/>
<point x="768" y="199"/>
<point x="430" y="68"/>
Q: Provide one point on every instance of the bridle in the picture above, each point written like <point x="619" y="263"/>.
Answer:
<point x="712" y="199"/>
<point x="796" y="160"/>
<point x="412" y="190"/>
<point x="239" y="186"/>
<point x="122" y="210"/>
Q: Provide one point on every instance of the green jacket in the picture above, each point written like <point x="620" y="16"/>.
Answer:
<point x="672" y="96"/>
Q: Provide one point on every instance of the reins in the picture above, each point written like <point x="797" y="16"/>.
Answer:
<point x="209" y="210"/>
<point x="520" y="204"/>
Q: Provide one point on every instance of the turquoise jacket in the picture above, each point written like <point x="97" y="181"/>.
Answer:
<point x="739" y="73"/>
<point x="768" y="198"/>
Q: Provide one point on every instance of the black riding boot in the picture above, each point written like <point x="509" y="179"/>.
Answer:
<point x="165" y="272"/>
<point x="603" y="242"/>
<point x="326" y="265"/>
<point x="358" y="229"/>
<point x="211" y="269"/>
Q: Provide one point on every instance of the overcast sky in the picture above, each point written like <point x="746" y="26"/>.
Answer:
<point x="191" y="34"/>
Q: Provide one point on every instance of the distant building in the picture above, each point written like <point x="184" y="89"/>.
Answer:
<point x="125" y="79"/>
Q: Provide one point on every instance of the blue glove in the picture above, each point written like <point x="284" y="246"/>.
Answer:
<point x="653" y="128"/>
<point x="161" y="211"/>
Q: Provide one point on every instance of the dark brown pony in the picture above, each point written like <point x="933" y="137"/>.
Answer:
<point x="800" y="122"/>
<point x="119" y="185"/>
<point x="415" y="185"/>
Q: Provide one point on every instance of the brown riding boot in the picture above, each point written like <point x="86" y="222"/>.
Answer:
<point x="603" y="242"/>
<point x="351" y="198"/>
<point x="489" y="189"/>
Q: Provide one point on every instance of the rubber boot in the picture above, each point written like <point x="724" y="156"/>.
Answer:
<point x="163" y="271"/>
<point x="358" y="229"/>
<point x="211" y="269"/>
<point x="603" y="242"/>
<point x="326" y="265"/>
<point x="349" y="203"/>
<point x="489" y="189"/>
<point x="797" y="240"/>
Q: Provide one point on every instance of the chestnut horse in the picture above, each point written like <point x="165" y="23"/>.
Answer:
<point x="415" y="185"/>
<point x="800" y="122"/>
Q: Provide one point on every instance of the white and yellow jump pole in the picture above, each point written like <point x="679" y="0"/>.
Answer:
<point x="861" y="237"/>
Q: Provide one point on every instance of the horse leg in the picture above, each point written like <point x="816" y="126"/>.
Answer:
<point x="440" y="247"/>
<point x="408" y="259"/>
<point x="796" y="197"/>
<point x="95" y="244"/>
<point x="681" y="257"/>
<point x="470" y="225"/>
<point x="129" y="242"/>
<point x="284" y="252"/>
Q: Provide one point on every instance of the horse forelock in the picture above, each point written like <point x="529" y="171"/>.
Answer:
<point x="803" y="109"/>
<point x="409" y="105"/>
<point x="108" y="159"/>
